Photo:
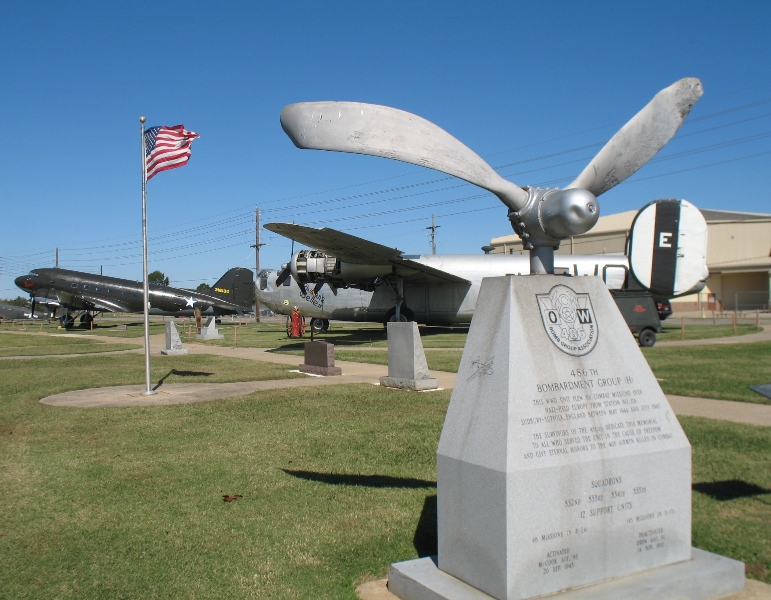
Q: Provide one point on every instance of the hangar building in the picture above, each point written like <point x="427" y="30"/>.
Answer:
<point x="738" y="257"/>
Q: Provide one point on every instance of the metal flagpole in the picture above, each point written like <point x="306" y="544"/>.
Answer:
<point x="148" y="391"/>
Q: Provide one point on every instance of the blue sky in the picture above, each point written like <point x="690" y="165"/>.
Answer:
<point x="534" y="88"/>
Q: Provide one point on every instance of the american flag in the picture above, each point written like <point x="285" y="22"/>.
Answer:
<point x="167" y="148"/>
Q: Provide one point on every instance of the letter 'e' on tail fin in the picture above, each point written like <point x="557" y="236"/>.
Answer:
<point x="236" y="286"/>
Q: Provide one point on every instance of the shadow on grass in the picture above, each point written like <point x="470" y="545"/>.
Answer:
<point x="181" y="374"/>
<point x="374" y="481"/>
<point x="425" y="540"/>
<point x="729" y="490"/>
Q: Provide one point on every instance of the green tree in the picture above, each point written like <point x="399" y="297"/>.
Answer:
<point x="19" y="301"/>
<point x="203" y="287"/>
<point x="157" y="278"/>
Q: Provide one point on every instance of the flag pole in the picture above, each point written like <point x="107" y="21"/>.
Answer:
<point x="148" y="391"/>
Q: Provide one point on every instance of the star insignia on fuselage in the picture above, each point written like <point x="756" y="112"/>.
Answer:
<point x="190" y="301"/>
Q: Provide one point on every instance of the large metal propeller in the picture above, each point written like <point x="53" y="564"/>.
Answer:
<point x="541" y="217"/>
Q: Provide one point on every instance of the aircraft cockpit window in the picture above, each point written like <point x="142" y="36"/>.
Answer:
<point x="264" y="280"/>
<point x="33" y="274"/>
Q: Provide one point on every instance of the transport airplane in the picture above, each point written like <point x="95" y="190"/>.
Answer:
<point x="85" y="295"/>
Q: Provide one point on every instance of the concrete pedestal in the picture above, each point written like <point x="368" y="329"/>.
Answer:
<point x="407" y="367"/>
<point x="209" y="331"/>
<point x="173" y="341"/>
<point x="706" y="576"/>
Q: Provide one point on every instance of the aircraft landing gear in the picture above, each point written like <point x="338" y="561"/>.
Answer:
<point x="67" y="321"/>
<point x="405" y="316"/>
<point x="86" y="319"/>
<point x="319" y="325"/>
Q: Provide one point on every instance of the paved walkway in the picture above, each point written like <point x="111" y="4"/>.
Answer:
<point x="176" y="393"/>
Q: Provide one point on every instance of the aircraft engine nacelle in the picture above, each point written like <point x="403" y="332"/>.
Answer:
<point x="314" y="266"/>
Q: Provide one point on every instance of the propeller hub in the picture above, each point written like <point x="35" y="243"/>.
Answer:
<point x="565" y="213"/>
<point x="552" y="215"/>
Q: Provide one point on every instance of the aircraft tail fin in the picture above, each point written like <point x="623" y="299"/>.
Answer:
<point x="236" y="286"/>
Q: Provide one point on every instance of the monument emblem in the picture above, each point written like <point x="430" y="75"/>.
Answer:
<point x="569" y="320"/>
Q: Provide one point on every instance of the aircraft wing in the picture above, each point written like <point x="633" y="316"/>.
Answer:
<point x="345" y="247"/>
<point x="103" y="304"/>
<point x="352" y="249"/>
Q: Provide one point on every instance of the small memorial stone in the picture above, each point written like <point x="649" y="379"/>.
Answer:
<point x="320" y="359"/>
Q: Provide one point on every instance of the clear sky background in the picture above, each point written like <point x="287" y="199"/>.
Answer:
<point x="535" y="88"/>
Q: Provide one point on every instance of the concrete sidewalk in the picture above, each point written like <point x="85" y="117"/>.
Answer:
<point x="353" y="372"/>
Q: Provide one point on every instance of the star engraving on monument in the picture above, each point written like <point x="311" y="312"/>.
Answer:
<point x="482" y="368"/>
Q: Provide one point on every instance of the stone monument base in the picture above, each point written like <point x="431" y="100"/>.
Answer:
<point x="205" y="335"/>
<point x="173" y="351"/>
<point x="418" y="385"/>
<point x="706" y="576"/>
<point x="314" y="370"/>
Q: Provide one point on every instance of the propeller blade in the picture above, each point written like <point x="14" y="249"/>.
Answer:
<point x="282" y="277"/>
<point x="641" y="138"/>
<point x="32" y="311"/>
<point x="391" y="133"/>
<point x="318" y="287"/>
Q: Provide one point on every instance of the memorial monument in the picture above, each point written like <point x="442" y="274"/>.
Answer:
<point x="320" y="359"/>
<point x="561" y="468"/>
<point x="407" y="366"/>
<point x="209" y="331"/>
<point x="173" y="341"/>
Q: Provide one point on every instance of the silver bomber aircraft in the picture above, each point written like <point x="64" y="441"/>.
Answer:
<point x="366" y="281"/>
<point x="85" y="295"/>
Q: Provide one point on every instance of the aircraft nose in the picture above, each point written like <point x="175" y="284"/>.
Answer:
<point x="24" y="282"/>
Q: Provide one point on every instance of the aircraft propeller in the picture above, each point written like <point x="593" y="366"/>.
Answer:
<point x="286" y="271"/>
<point x="541" y="217"/>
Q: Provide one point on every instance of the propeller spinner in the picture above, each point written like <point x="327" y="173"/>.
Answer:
<point x="541" y="217"/>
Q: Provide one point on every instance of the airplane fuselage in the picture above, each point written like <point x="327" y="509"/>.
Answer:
<point x="78" y="291"/>
<point x="431" y="304"/>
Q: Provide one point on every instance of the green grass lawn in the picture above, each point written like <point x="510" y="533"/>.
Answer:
<point x="128" y="502"/>
<point x="333" y="481"/>
<point x="673" y="331"/>
<point x="13" y="344"/>
<point x="720" y="371"/>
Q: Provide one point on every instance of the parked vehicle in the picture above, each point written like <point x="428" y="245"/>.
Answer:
<point x="664" y="308"/>
<point x="640" y="313"/>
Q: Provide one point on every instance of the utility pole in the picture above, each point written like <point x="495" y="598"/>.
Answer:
<point x="57" y="257"/>
<point x="257" y="244"/>
<point x="433" y="229"/>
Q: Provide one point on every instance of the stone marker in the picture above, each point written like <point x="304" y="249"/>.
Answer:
<point x="407" y="367"/>
<point x="561" y="463"/>
<point x="320" y="359"/>
<point x="209" y="331"/>
<point x="173" y="341"/>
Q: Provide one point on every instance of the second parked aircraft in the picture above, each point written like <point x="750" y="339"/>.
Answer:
<point x="84" y="295"/>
